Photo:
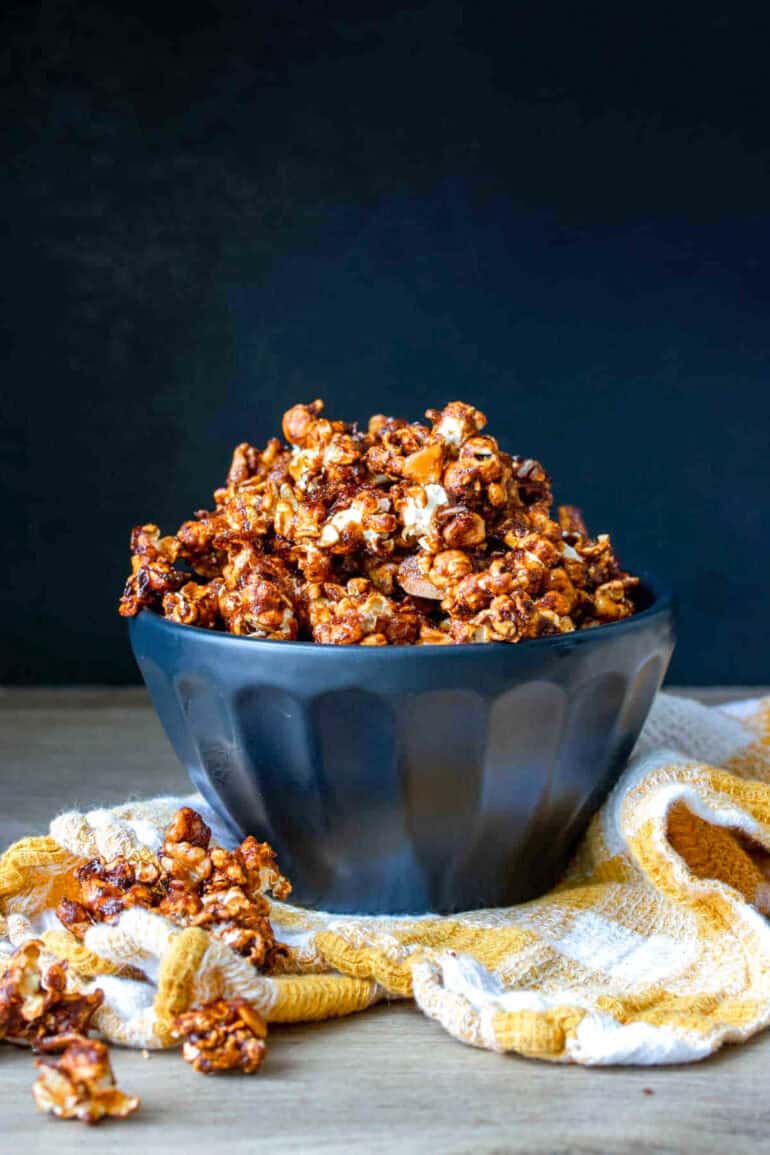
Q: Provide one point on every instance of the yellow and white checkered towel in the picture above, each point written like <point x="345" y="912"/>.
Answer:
<point x="654" y="949"/>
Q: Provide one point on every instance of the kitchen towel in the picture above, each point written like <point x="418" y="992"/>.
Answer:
<point x="654" y="948"/>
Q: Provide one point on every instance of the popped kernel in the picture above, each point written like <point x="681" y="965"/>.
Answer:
<point x="35" y="1006"/>
<point x="79" y="1084"/>
<point x="223" y="1035"/>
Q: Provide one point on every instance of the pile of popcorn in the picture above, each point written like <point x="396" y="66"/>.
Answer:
<point x="193" y="884"/>
<point x="402" y="534"/>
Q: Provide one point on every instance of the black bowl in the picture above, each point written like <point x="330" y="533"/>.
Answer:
<point x="416" y="778"/>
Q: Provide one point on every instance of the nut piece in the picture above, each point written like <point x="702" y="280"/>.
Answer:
<point x="80" y="1085"/>
<point x="224" y="1035"/>
<point x="414" y="582"/>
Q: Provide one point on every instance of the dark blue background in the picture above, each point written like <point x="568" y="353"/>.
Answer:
<point x="561" y="216"/>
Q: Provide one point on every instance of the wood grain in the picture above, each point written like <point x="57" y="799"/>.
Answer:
<point x="384" y="1081"/>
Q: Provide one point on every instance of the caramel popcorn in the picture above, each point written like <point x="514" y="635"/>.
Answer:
<point x="224" y="1035"/>
<point x="403" y="534"/>
<point x="80" y="1085"/>
<point x="35" y="1006"/>
<point x="194" y="884"/>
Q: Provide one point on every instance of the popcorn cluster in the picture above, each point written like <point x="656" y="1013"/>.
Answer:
<point x="37" y="1010"/>
<point x="194" y="884"/>
<point x="223" y="1035"/>
<point x="402" y="534"/>
<point x="35" y="1006"/>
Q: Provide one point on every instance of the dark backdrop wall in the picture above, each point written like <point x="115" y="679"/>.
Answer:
<point x="560" y="213"/>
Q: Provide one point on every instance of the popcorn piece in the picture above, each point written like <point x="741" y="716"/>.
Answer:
<point x="224" y="1035"/>
<point x="196" y="544"/>
<point x="185" y="855"/>
<point x="194" y="605"/>
<point x="148" y="585"/>
<point x="300" y="421"/>
<point x="261" y="868"/>
<point x="67" y="1018"/>
<point x="462" y="529"/>
<point x="250" y="464"/>
<point x="367" y="523"/>
<point x="22" y="995"/>
<point x="399" y="450"/>
<point x="384" y="573"/>
<point x="35" y="1006"/>
<point x="351" y="615"/>
<point x="510" y="618"/>
<point x="456" y="422"/>
<point x="75" y="917"/>
<point x="448" y="568"/>
<point x="258" y="597"/>
<point x="232" y="900"/>
<point x="187" y="827"/>
<point x="298" y="518"/>
<point x="152" y="570"/>
<point x="418" y="506"/>
<point x="147" y="543"/>
<point x="533" y="482"/>
<point x="482" y="474"/>
<point x="327" y="456"/>
<point x="80" y="1085"/>
<point x="611" y="601"/>
<point x="106" y="890"/>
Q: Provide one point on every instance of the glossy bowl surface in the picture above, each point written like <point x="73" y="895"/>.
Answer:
<point x="409" y="779"/>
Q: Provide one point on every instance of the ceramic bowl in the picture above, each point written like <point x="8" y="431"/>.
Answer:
<point x="409" y="779"/>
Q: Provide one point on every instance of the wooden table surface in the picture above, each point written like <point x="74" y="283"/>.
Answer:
<point x="387" y="1080"/>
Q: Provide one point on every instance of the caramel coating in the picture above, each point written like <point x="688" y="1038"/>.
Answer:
<point x="194" y="605"/>
<point x="360" y="614"/>
<point x="405" y="534"/>
<point x="36" y="1009"/>
<point x="35" y="1006"/>
<point x="223" y="1035"/>
<point x="194" y="884"/>
<point x="80" y="1085"/>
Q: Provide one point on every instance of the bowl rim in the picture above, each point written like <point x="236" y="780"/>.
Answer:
<point x="663" y="603"/>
